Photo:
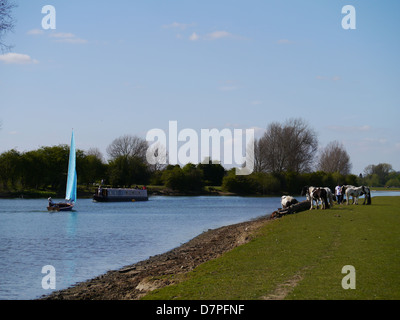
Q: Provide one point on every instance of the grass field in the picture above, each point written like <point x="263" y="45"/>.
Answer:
<point x="301" y="256"/>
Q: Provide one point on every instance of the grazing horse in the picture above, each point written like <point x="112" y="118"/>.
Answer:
<point x="344" y="188"/>
<point x="367" y="196"/>
<point x="322" y="195"/>
<point x="356" y="192"/>
<point x="329" y="195"/>
<point x="287" y="201"/>
<point x="307" y="191"/>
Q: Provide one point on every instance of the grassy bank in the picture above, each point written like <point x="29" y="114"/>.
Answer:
<point x="301" y="257"/>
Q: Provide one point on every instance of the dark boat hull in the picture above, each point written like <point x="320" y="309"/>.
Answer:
<point x="60" y="207"/>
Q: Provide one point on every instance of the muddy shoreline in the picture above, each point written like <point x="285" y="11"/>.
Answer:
<point x="134" y="281"/>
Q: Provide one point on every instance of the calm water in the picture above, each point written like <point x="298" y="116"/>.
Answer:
<point x="98" y="237"/>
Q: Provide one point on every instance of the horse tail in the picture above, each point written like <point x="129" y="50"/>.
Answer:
<point x="369" y="198"/>
<point x="326" y="202"/>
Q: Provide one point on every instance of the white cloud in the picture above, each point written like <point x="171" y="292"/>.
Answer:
<point x="216" y="35"/>
<point x="334" y="78"/>
<point x="17" y="58"/>
<point x="67" y="38"/>
<point x="219" y="35"/>
<point x="347" y="129"/>
<point x="378" y="141"/>
<point x="364" y="128"/>
<point x="227" y="88"/>
<point x="35" y="32"/>
<point x="73" y="40"/>
<point x="229" y="85"/>
<point x="178" y="25"/>
<point x="62" y="35"/>
<point x="284" y="41"/>
<point x="194" y="37"/>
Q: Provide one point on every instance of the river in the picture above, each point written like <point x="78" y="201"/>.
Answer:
<point x="98" y="237"/>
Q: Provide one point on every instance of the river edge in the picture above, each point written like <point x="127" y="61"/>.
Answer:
<point x="134" y="281"/>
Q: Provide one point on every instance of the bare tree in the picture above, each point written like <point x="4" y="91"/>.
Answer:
<point x="260" y="163"/>
<point x="286" y="147"/>
<point x="96" y="153"/>
<point x="128" y="145"/>
<point x="334" y="158"/>
<point x="157" y="157"/>
<point x="6" y="21"/>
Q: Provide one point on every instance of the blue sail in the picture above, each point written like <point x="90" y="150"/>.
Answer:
<point x="72" y="177"/>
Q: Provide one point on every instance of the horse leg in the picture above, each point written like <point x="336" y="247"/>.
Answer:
<point x="322" y="203"/>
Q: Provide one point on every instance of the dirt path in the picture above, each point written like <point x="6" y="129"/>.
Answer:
<point x="133" y="282"/>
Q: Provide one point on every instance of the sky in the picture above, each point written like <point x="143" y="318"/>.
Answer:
<point x="126" y="67"/>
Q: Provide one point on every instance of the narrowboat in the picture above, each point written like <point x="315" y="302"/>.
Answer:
<point x="120" y="194"/>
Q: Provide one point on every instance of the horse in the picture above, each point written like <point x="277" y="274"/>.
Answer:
<point x="287" y="201"/>
<point x="356" y="192"/>
<point x="322" y="195"/>
<point x="344" y="188"/>
<point x="308" y="192"/>
<point x="367" y="197"/>
<point x="329" y="195"/>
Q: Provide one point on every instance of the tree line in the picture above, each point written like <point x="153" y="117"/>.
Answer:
<point x="285" y="159"/>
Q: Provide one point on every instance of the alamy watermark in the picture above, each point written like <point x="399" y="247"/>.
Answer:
<point x="197" y="149"/>
<point x="348" y="21"/>
<point x="49" y="280"/>
<point x="49" y="20"/>
<point x="349" y="281"/>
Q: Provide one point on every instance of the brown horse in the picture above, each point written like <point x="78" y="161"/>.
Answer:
<point x="322" y="195"/>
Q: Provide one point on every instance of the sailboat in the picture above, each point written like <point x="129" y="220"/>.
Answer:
<point x="70" y="194"/>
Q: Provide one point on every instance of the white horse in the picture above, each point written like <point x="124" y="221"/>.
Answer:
<point x="287" y="201"/>
<point x="308" y="192"/>
<point x="329" y="195"/>
<point x="356" y="192"/>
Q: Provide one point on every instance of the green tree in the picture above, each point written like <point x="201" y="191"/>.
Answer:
<point x="10" y="164"/>
<point x="212" y="173"/>
<point x="186" y="179"/>
<point x="238" y="183"/>
<point x="91" y="168"/>
<point x="128" y="171"/>
<point x="382" y="171"/>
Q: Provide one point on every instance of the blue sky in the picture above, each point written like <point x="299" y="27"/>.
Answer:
<point x="126" y="67"/>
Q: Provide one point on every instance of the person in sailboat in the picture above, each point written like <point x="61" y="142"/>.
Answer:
<point x="51" y="203"/>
